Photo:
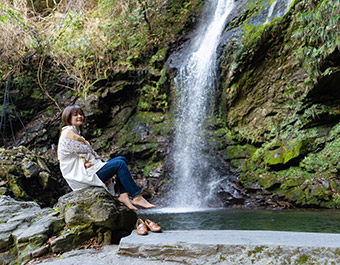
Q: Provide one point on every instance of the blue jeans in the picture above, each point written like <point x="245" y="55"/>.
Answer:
<point x="125" y="181"/>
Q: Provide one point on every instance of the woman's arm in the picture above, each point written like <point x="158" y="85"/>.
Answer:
<point x="74" y="136"/>
<point x="79" y="146"/>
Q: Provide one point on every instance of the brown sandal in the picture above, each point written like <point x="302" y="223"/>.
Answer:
<point x="152" y="226"/>
<point x="141" y="227"/>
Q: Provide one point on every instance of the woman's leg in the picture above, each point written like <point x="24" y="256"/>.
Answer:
<point x="140" y="201"/>
<point x="118" y="166"/>
<point x="127" y="185"/>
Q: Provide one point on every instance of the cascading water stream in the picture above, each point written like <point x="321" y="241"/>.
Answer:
<point x="270" y="11"/>
<point x="194" y="84"/>
<point x="277" y="8"/>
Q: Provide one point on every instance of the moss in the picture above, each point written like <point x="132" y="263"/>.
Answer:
<point x="252" y="35"/>
<point x="142" y="131"/>
<point x="222" y="258"/>
<point x="237" y="163"/>
<point x="152" y="99"/>
<point x="325" y="160"/>
<point x="258" y="249"/>
<point x="269" y="181"/>
<point x="16" y="188"/>
<point x="171" y="246"/>
<point x="296" y="134"/>
<point x="302" y="259"/>
<point x="240" y="151"/>
<point x="337" y="252"/>
<point x="150" y="117"/>
<point x="3" y="191"/>
<point x="78" y="230"/>
<point x="102" y="143"/>
<point x="151" y="166"/>
<point x="145" y="150"/>
<point x="292" y="178"/>
<point x="311" y="192"/>
<point x="157" y="60"/>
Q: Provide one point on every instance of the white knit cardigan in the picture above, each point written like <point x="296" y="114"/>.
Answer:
<point x="73" y="150"/>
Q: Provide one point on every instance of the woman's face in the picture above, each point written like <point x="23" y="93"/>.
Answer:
<point x="77" y="119"/>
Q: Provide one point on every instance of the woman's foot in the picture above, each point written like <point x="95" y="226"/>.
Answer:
<point x="140" y="201"/>
<point x="124" y="198"/>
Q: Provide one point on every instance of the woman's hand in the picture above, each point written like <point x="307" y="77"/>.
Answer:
<point x="88" y="164"/>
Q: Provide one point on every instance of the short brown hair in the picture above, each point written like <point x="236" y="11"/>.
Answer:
<point x="69" y="111"/>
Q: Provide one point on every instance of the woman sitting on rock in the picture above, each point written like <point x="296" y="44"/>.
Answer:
<point x="81" y="166"/>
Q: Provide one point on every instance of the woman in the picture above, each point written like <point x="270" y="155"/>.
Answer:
<point x="81" y="166"/>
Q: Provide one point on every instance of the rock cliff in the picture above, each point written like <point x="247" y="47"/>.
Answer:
<point x="280" y="101"/>
<point x="276" y="121"/>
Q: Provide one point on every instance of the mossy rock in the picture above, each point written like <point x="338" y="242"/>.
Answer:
<point x="152" y="169"/>
<point x="325" y="160"/>
<point x="286" y="153"/>
<point x="24" y="175"/>
<point x="312" y="193"/>
<point x="142" y="130"/>
<point x="240" y="151"/>
<point x="237" y="163"/>
<point x="16" y="188"/>
<point x="157" y="60"/>
<point x="269" y="181"/>
<point x="94" y="205"/>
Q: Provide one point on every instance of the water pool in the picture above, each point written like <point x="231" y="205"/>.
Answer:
<point x="297" y="220"/>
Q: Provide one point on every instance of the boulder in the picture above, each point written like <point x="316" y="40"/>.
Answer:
<point x="95" y="207"/>
<point x="24" y="175"/>
<point x="286" y="153"/>
<point x="28" y="231"/>
<point x="25" y="229"/>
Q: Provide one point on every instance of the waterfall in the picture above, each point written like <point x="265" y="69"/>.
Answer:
<point x="194" y="88"/>
<point x="270" y="11"/>
<point x="277" y="9"/>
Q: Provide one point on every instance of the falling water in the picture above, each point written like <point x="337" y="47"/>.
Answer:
<point x="277" y="9"/>
<point x="194" y="84"/>
<point x="270" y="11"/>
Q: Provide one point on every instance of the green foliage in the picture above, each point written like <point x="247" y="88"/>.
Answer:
<point x="151" y="166"/>
<point x="115" y="35"/>
<point x="94" y="39"/>
<point x="325" y="161"/>
<point x="316" y="27"/>
<point x="18" y="38"/>
<point x="152" y="99"/>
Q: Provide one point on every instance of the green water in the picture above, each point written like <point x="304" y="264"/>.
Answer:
<point x="309" y="220"/>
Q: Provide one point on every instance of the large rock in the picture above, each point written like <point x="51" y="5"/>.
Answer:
<point x="233" y="247"/>
<point x="28" y="231"/>
<point x="95" y="207"/>
<point x="25" y="229"/>
<point x="24" y="175"/>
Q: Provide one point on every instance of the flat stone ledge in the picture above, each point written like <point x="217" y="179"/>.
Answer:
<point x="235" y="247"/>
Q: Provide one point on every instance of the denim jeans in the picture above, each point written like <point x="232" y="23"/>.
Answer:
<point x="125" y="181"/>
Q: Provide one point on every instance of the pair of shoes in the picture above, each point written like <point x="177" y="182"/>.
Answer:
<point x="142" y="227"/>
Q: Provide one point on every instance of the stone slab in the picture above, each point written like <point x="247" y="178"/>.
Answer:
<point x="235" y="247"/>
<point x="104" y="256"/>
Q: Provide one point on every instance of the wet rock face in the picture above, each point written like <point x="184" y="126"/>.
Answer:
<point x="281" y="105"/>
<point x="28" y="231"/>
